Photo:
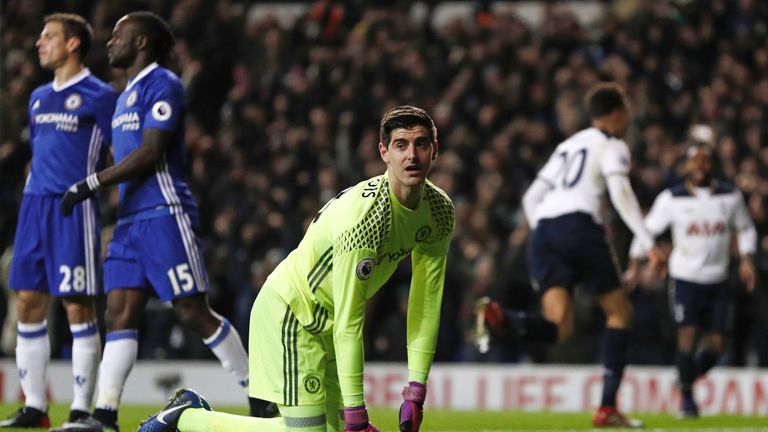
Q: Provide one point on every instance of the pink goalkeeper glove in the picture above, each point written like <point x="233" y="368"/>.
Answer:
<point x="412" y="409"/>
<point x="356" y="419"/>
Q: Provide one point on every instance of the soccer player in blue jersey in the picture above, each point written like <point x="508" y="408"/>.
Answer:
<point x="155" y="247"/>
<point x="69" y="123"/>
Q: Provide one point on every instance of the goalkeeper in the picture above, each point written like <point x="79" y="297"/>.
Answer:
<point x="306" y="335"/>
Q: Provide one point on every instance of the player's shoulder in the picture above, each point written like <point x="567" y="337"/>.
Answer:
<point x="42" y="90"/>
<point x="358" y="199"/>
<point x="361" y="217"/>
<point x="99" y="86"/>
<point x="439" y="202"/>
<point x="442" y="209"/>
<point x="723" y="187"/>
<point x="98" y="92"/>
<point x="162" y="76"/>
<point x="592" y="137"/>
<point x="679" y="190"/>
<point x="164" y="84"/>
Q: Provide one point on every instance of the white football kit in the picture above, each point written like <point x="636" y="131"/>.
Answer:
<point x="702" y="221"/>
<point x="575" y="179"/>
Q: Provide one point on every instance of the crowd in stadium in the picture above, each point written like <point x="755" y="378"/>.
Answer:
<point x="283" y="116"/>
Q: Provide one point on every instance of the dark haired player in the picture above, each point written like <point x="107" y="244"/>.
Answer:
<point x="155" y="248"/>
<point x="69" y="125"/>
<point x="306" y="335"/>
<point x="703" y="213"/>
<point x="568" y="245"/>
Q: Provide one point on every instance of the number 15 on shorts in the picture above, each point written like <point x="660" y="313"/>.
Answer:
<point x="181" y="278"/>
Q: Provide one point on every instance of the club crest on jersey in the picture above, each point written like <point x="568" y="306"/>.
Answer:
<point x="364" y="268"/>
<point x="73" y="102"/>
<point x="161" y="111"/>
<point x="423" y="233"/>
<point x="36" y="105"/>
<point x="312" y="384"/>
<point x="131" y="99"/>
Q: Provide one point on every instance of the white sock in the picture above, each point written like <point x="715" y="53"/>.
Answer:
<point x="228" y="348"/>
<point x="33" y="352"/>
<point x="86" y="348"/>
<point x="119" y="357"/>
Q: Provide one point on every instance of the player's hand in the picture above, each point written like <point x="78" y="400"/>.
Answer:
<point x="657" y="262"/>
<point x="356" y="419"/>
<point x="412" y="409"/>
<point x="632" y="275"/>
<point x="79" y="192"/>
<point x="747" y="273"/>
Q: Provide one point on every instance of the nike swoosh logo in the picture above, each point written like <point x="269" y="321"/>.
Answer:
<point x="162" y="414"/>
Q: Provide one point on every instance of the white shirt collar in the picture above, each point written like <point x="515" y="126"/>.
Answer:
<point x="144" y="72"/>
<point x="72" y="81"/>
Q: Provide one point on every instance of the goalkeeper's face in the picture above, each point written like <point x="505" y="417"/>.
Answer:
<point x="409" y="155"/>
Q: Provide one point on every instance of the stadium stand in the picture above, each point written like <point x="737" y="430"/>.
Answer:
<point x="284" y="109"/>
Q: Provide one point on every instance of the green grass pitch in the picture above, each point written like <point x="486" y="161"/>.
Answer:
<point x="386" y="420"/>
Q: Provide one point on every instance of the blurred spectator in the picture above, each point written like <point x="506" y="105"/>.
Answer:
<point x="284" y="109"/>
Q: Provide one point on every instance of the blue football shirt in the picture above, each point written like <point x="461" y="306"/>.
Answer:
<point x="70" y="132"/>
<point x="154" y="99"/>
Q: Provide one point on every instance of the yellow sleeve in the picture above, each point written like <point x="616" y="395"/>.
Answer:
<point x="424" y="304"/>
<point x="350" y="271"/>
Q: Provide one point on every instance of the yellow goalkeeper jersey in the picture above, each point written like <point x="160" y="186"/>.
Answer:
<point x="349" y="251"/>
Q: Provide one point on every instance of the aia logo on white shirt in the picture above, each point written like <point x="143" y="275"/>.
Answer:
<point x="705" y="229"/>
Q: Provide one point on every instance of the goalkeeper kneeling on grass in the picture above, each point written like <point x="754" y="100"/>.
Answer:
<point x="306" y="336"/>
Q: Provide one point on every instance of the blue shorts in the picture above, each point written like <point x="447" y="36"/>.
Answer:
<point x="162" y="252"/>
<point x="572" y="249"/>
<point x="705" y="306"/>
<point x="53" y="253"/>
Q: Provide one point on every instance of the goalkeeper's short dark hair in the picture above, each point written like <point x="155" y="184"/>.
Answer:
<point x="405" y="117"/>
<point x="605" y="98"/>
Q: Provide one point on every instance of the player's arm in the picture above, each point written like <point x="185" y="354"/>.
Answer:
<point x="533" y="196"/>
<point x="542" y="184"/>
<point x="423" y="323"/>
<point x="164" y="102"/>
<point x="139" y="162"/>
<point x="656" y="221"/>
<point x="136" y="164"/>
<point x="614" y="165"/>
<point x="351" y="270"/>
<point x="746" y="236"/>
<point x="625" y="203"/>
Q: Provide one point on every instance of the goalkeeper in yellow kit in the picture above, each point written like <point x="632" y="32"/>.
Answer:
<point x="306" y="335"/>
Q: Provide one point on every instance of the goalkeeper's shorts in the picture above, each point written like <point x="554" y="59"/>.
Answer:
<point x="287" y="364"/>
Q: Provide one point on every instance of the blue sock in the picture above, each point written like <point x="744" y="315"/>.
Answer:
<point x="705" y="361"/>
<point x="614" y="361"/>
<point x="531" y="326"/>
<point x="687" y="373"/>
